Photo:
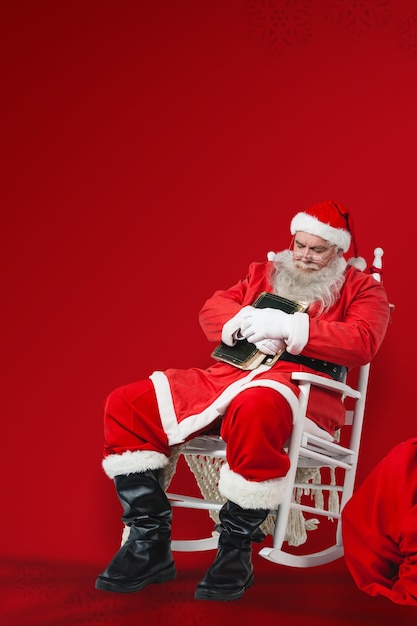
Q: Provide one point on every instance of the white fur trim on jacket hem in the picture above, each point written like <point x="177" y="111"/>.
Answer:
<point x="248" y="494"/>
<point x="180" y="432"/>
<point x="131" y="462"/>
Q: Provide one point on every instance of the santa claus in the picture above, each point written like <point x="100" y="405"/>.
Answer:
<point x="342" y="325"/>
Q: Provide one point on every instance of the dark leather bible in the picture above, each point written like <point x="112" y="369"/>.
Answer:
<point x="245" y="355"/>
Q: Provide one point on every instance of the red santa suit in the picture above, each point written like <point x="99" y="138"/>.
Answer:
<point x="379" y="527"/>
<point x="144" y="419"/>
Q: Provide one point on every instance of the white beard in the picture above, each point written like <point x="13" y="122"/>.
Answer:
<point x="321" y="286"/>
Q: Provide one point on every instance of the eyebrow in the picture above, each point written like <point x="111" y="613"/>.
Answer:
<point x="315" y="248"/>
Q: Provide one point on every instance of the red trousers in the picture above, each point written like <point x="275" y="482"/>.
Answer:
<point x="255" y="427"/>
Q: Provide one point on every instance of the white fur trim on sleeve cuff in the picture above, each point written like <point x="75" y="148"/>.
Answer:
<point x="248" y="494"/>
<point x="132" y="462"/>
<point x="299" y="332"/>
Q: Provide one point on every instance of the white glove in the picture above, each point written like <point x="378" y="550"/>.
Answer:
<point x="271" y="346"/>
<point x="260" y="324"/>
<point x="231" y="328"/>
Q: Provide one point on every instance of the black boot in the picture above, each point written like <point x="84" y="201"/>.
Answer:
<point x="146" y="555"/>
<point x="232" y="571"/>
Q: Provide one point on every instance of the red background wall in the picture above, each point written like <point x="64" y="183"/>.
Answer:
<point x="151" y="152"/>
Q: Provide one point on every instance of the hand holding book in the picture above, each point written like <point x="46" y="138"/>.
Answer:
<point x="271" y="346"/>
<point x="258" y="324"/>
<point x="231" y="329"/>
<point x="243" y="353"/>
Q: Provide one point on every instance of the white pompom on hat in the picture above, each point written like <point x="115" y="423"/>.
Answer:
<point x="332" y="222"/>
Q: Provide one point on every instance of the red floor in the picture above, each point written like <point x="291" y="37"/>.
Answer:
<point x="56" y="594"/>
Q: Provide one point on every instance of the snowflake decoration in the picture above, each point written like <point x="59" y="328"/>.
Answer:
<point x="175" y="607"/>
<point x="359" y="16"/>
<point x="93" y="609"/>
<point x="33" y="582"/>
<point x="280" y="24"/>
<point x="409" y="34"/>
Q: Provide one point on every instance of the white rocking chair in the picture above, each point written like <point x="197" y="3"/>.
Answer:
<point x="322" y="471"/>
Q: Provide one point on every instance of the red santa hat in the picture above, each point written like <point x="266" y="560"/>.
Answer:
<point x="332" y="222"/>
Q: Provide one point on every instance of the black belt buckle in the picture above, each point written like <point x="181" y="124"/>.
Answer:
<point x="337" y="372"/>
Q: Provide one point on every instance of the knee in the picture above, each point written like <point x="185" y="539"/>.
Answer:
<point x="115" y="400"/>
<point x="261" y="404"/>
<point x="260" y="400"/>
<point x="128" y="396"/>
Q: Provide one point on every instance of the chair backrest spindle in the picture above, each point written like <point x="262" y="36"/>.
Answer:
<point x="376" y="268"/>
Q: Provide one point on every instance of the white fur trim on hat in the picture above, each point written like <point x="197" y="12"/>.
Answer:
<point x="249" y="494"/>
<point x="131" y="462"/>
<point x="309" y="224"/>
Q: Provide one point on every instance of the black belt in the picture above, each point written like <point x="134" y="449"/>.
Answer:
<point x="337" y="372"/>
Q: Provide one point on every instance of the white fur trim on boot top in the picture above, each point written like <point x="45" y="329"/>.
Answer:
<point x="249" y="494"/>
<point x="131" y="462"/>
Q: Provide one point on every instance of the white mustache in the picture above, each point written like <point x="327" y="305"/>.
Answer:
<point x="310" y="265"/>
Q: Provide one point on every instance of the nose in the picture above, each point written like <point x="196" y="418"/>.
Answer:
<point x="306" y="254"/>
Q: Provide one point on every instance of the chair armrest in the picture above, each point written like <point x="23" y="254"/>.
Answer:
<point x="327" y="383"/>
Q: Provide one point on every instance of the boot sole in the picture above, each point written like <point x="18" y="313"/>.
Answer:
<point x="222" y="594"/>
<point x="160" y="577"/>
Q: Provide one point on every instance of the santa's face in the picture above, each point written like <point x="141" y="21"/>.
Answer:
<point x="309" y="280"/>
<point x="312" y="253"/>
